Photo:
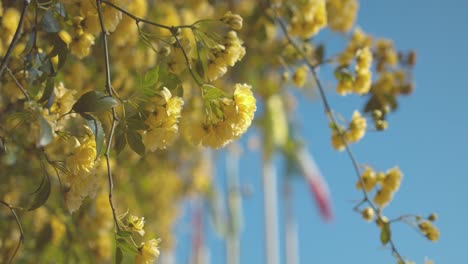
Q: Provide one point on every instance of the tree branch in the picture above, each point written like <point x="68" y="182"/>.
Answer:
<point x="332" y="118"/>
<point x="114" y="114"/>
<point x="20" y="227"/>
<point x="15" y="37"/>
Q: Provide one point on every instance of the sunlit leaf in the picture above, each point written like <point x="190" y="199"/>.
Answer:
<point x="151" y="77"/>
<point x="210" y="92"/>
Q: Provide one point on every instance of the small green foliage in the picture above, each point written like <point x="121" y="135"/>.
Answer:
<point x="385" y="233"/>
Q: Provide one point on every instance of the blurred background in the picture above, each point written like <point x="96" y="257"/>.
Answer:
<point x="427" y="139"/>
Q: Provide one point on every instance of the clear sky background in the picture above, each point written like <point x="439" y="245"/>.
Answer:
<point x="427" y="139"/>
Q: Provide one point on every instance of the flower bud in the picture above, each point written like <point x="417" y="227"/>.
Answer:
<point x="232" y="20"/>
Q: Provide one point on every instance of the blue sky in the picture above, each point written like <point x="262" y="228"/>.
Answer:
<point x="427" y="139"/>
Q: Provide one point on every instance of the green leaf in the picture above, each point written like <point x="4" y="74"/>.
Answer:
<point x="211" y="93"/>
<point x="60" y="49"/>
<point x="42" y="193"/>
<point x="169" y="80"/>
<point x="385" y="233"/>
<point x="49" y="23"/>
<point x="151" y="77"/>
<point x="135" y="141"/>
<point x="126" y="246"/>
<point x="94" y="101"/>
<point x="124" y="233"/>
<point x="136" y="123"/>
<point x="120" y="139"/>
<point x="46" y="133"/>
<point x="96" y="127"/>
<point x="118" y="256"/>
<point x="48" y="94"/>
<point x="320" y="53"/>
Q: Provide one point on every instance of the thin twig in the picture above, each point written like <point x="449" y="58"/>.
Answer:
<point x="15" y="37"/>
<point x="18" y="84"/>
<point x="114" y="114"/>
<point x="20" y="228"/>
<point x="331" y="117"/>
<point x="187" y="60"/>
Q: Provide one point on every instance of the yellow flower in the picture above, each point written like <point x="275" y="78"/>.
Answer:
<point x="368" y="214"/>
<point x="216" y="69"/>
<point x="83" y="158"/>
<point x="383" y="197"/>
<point x="64" y="100"/>
<point x="148" y="253"/>
<point x="245" y="107"/>
<point x="163" y="121"/>
<point x="429" y="230"/>
<point x="393" y="179"/>
<point x="341" y="14"/>
<point x="344" y="87"/>
<point x="81" y="45"/>
<point x="136" y="224"/>
<point x="309" y="18"/>
<point x="368" y="178"/>
<point x="232" y="20"/>
<point x="337" y="142"/>
<point x="81" y="181"/>
<point x="357" y="128"/>
<point x="300" y="76"/>
<point x="234" y="51"/>
<point x="363" y="59"/>
<point x="215" y="131"/>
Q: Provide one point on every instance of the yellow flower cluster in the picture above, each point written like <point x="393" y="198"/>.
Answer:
<point x="63" y="101"/>
<point x="81" y="181"/>
<point x="215" y="132"/>
<point x="429" y="230"/>
<point x="355" y="131"/>
<point x="127" y="32"/>
<point x="341" y="14"/>
<point x="224" y="55"/>
<point x="82" y="41"/>
<point x="163" y="120"/>
<point x="361" y="83"/>
<point x="308" y="18"/>
<point x="148" y="253"/>
<point x="389" y="183"/>
<point x="358" y="41"/>
<point x="9" y="22"/>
